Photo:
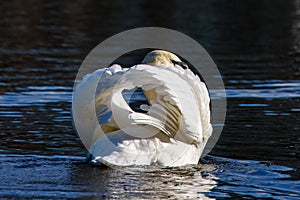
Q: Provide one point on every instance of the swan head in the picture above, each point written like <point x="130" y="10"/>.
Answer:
<point x="163" y="58"/>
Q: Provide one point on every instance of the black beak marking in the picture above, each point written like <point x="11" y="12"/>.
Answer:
<point x="181" y="64"/>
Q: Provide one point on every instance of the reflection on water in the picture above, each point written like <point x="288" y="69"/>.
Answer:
<point x="256" y="46"/>
<point x="71" y="177"/>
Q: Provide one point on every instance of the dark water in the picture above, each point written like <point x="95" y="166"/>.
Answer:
<point x="256" y="46"/>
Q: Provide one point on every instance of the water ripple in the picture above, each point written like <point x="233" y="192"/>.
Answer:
<point x="70" y="177"/>
<point x="49" y="94"/>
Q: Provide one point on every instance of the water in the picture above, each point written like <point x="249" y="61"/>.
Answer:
<point x="71" y="177"/>
<point x="256" y="46"/>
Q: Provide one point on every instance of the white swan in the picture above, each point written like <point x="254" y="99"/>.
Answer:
<point x="170" y="128"/>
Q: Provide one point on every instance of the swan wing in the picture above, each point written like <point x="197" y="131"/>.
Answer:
<point x="90" y="102"/>
<point x="177" y="101"/>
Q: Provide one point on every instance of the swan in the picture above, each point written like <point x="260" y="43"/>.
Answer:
<point x="170" y="127"/>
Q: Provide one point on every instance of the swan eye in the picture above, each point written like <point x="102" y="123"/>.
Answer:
<point x="180" y="63"/>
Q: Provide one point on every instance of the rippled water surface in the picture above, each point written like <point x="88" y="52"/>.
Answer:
<point x="256" y="46"/>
